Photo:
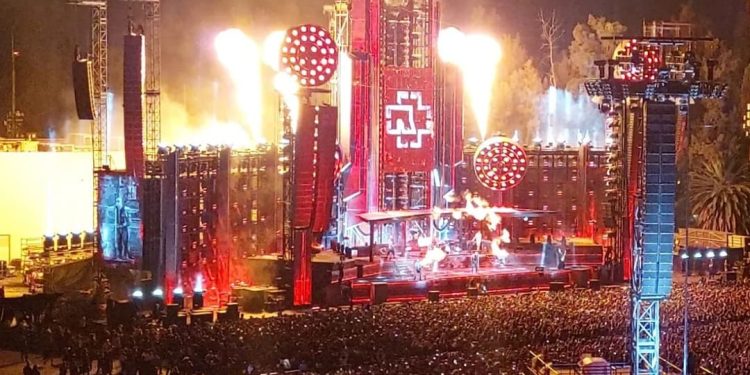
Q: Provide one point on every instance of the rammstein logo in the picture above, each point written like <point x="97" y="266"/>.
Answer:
<point x="400" y="120"/>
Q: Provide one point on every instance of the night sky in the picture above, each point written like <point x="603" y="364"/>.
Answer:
<point x="47" y="32"/>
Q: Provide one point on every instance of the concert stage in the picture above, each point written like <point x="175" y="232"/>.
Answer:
<point x="390" y="286"/>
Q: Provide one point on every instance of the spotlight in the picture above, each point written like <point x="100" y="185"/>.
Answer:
<point x="723" y="253"/>
<point x="684" y="256"/>
<point x="698" y="255"/>
<point x="158" y="293"/>
<point x="710" y="254"/>
<point x="138" y="294"/>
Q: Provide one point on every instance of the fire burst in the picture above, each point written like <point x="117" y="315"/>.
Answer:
<point x="240" y="56"/>
<point x="477" y="56"/>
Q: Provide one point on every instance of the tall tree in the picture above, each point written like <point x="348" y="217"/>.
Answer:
<point x="550" y="37"/>
<point x="588" y="46"/>
<point x="721" y="192"/>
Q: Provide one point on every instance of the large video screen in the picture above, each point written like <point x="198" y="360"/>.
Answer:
<point x="119" y="217"/>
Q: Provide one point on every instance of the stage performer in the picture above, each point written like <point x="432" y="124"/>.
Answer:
<point x="122" y="232"/>
<point x="562" y="250"/>
<point x="418" y="270"/>
<point x="475" y="262"/>
<point x="548" y="251"/>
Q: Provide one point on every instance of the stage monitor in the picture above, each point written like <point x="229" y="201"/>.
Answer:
<point x="119" y="217"/>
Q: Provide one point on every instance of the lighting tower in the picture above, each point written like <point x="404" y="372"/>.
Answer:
<point x="645" y="90"/>
<point x="99" y="59"/>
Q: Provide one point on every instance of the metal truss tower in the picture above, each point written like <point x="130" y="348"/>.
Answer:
<point x="153" y="77"/>
<point x="648" y="83"/>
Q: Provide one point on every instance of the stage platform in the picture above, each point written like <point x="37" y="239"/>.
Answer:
<point x="394" y="279"/>
<point x="390" y="286"/>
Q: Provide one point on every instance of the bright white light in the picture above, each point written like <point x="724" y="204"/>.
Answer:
<point x="450" y="43"/>
<point x="240" y="56"/>
<point x="137" y="293"/>
<point x="272" y="49"/>
<point x="158" y="292"/>
<point x="698" y="255"/>
<point x="684" y="256"/>
<point x="177" y="291"/>
<point x="198" y="284"/>
<point x="723" y="253"/>
<point x="478" y="56"/>
<point x="710" y="254"/>
<point x="287" y="87"/>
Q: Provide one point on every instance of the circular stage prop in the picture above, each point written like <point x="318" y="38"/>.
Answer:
<point x="309" y="54"/>
<point x="500" y="164"/>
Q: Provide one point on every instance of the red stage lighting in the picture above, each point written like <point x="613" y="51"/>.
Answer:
<point x="500" y="164"/>
<point x="309" y="54"/>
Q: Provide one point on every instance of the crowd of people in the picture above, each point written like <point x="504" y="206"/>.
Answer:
<point x="491" y="334"/>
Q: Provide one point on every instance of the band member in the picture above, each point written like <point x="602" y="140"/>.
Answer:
<point x="122" y="231"/>
<point x="391" y="252"/>
<point x="418" y="270"/>
<point x="562" y="250"/>
<point x="475" y="262"/>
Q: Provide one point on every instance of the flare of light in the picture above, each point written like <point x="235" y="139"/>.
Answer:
<point x="240" y="56"/>
<point x="138" y="293"/>
<point x="198" y="283"/>
<point x="479" y="67"/>
<point x="218" y="133"/>
<point x="478" y="239"/>
<point x="505" y="237"/>
<point x="287" y="87"/>
<point x="516" y="137"/>
<point x="497" y="250"/>
<point x="157" y="292"/>
<point x="450" y="45"/>
<point x="177" y="291"/>
<point x="723" y="253"/>
<point x="272" y="49"/>
<point x="477" y="55"/>
<point x="433" y="256"/>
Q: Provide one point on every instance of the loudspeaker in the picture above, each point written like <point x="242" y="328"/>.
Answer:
<point x="556" y="286"/>
<point x="233" y="311"/>
<point x="197" y="300"/>
<point x="360" y="271"/>
<point x="172" y="310"/>
<point x="83" y="85"/>
<point x="472" y="292"/>
<point x="594" y="284"/>
<point x="433" y="296"/>
<point x="379" y="293"/>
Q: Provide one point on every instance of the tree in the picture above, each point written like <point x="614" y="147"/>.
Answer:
<point x="720" y="194"/>
<point x="550" y="36"/>
<point x="588" y="46"/>
<point x="518" y="88"/>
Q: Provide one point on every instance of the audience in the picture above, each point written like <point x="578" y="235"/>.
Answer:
<point x="454" y="336"/>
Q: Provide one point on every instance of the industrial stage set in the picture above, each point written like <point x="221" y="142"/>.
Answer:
<point x="379" y="190"/>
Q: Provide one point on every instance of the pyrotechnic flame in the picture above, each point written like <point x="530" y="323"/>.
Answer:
<point x="505" y="237"/>
<point x="287" y="88"/>
<point x="240" y="56"/>
<point x="433" y="256"/>
<point x="477" y="55"/>
<point x="272" y="49"/>
<point x="497" y="250"/>
<point x="219" y="133"/>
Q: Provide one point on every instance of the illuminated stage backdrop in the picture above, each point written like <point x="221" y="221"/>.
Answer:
<point x="407" y="136"/>
<point x="119" y="217"/>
